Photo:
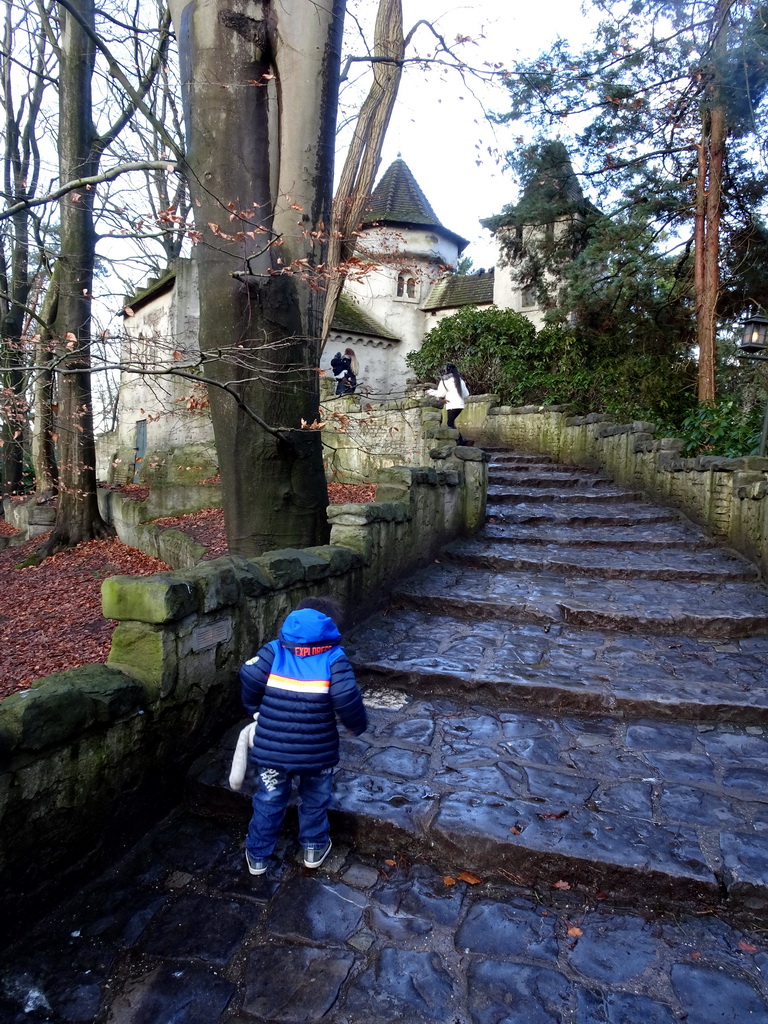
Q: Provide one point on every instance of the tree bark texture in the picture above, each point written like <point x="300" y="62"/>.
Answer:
<point x="43" y="440"/>
<point x="260" y="89"/>
<point x="707" y="260"/>
<point x="362" y="160"/>
<point x="709" y="180"/>
<point x="21" y="168"/>
<point x="77" y="516"/>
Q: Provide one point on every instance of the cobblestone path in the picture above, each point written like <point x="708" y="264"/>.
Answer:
<point x="558" y="816"/>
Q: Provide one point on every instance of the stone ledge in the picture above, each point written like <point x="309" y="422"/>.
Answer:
<point x="66" y="704"/>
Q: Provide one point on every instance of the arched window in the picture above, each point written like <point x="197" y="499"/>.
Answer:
<point x="411" y="287"/>
<point x="400" y="285"/>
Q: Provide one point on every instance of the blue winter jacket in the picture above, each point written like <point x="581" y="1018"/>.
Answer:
<point x="299" y="684"/>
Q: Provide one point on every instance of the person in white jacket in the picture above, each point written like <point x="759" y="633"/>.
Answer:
<point x="454" y="393"/>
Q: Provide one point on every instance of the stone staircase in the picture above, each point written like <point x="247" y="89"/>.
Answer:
<point x="575" y="698"/>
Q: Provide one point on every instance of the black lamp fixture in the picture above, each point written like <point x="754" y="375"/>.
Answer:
<point x="754" y="345"/>
<point x="754" y="337"/>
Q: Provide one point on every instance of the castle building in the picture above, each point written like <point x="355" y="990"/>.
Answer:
<point x="408" y="286"/>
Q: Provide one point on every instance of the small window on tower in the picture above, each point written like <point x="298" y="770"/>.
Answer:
<point x="400" y="286"/>
<point x="528" y="297"/>
<point x="411" y="287"/>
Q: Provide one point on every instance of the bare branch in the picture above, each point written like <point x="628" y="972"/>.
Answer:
<point x="88" y="183"/>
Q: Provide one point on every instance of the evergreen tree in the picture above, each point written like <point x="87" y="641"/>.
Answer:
<point x="667" y="106"/>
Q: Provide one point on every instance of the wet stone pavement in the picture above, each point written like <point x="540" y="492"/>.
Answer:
<point x="180" y="933"/>
<point x="559" y="814"/>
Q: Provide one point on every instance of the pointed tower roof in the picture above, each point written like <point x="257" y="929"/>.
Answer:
<point x="551" y="191"/>
<point x="399" y="200"/>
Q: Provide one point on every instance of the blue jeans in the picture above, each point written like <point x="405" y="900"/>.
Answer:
<point x="271" y="800"/>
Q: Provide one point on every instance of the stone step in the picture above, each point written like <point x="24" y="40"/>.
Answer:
<point x="639" y="536"/>
<point x="503" y="495"/>
<point x="711" y="564"/>
<point x="664" y="811"/>
<point x="535" y="512"/>
<point x="517" y="479"/>
<point x="506" y="455"/>
<point x="717" y="610"/>
<point x="558" y="668"/>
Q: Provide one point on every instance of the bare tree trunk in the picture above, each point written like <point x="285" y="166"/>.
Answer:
<point x="77" y="515"/>
<point x="43" y="440"/>
<point x="20" y="101"/>
<point x="260" y="97"/>
<point x="356" y="181"/>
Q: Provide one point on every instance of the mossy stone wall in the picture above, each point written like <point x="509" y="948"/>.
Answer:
<point x="86" y="756"/>
<point x="729" y="497"/>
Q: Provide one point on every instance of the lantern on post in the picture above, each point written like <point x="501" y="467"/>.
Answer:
<point x="754" y="337"/>
<point x="754" y="345"/>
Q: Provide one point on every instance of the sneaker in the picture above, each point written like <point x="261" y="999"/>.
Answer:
<point x="315" y="855"/>
<point x="256" y="865"/>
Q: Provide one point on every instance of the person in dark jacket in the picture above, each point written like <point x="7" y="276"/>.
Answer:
<point x="298" y="684"/>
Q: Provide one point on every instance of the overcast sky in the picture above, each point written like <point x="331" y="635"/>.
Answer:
<point x="438" y="126"/>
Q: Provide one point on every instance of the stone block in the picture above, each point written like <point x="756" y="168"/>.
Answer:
<point x="146" y="653"/>
<point x="670" y="462"/>
<point x="671" y="444"/>
<point x="373" y="512"/>
<point x="717" y="464"/>
<point x="252" y="578"/>
<point x="448" y="478"/>
<point x="402" y="475"/>
<point x="160" y="598"/>
<point x="216" y="582"/>
<point x="10" y="726"/>
<point x="111" y="693"/>
<point x="289" y="566"/>
<point x="443" y="452"/>
<point x="356" y="538"/>
<point x="48" y="716"/>
<point x="340" y="559"/>
<point x="391" y="492"/>
<point x="470" y="454"/>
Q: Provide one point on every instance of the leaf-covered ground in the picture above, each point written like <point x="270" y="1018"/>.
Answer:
<point x="50" y="615"/>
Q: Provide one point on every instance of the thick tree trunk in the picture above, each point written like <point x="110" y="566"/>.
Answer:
<point x="260" y="93"/>
<point x="707" y="296"/>
<point x="77" y="516"/>
<point x="708" y="212"/>
<point x="357" y="176"/>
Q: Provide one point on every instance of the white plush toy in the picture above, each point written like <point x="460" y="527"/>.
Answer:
<point x="240" y="760"/>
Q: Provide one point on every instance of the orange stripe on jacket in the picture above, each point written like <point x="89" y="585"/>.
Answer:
<point x="300" y="685"/>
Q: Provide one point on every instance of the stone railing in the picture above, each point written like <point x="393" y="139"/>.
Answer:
<point x="88" y="754"/>
<point x="729" y="497"/>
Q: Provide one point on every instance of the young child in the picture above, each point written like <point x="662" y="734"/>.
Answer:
<point x="298" y="683"/>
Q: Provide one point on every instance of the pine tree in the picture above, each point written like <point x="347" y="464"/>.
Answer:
<point x="667" y="106"/>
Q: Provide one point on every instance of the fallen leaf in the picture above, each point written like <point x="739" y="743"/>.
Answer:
<point x="575" y="932"/>
<point x="515" y="830"/>
<point x="449" y="881"/>
<point x="747" y="947"/>
<point x="695" y="956"/>
<point x="552" y="815"/>
<point x="561" y="885"/>
<point x="469" y="878"/>
<point x="391" y="863"/>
